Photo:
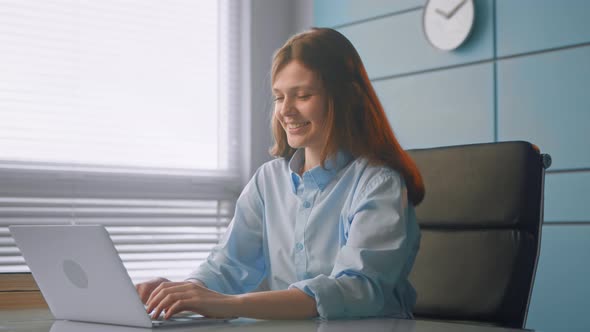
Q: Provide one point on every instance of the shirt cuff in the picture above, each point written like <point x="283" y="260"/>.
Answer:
<point x="324" y="290"/>
<point x="210" y="282"/>
<point x="195" y="280"/>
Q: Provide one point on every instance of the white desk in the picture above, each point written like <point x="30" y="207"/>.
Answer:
<point x="40" y="320"/>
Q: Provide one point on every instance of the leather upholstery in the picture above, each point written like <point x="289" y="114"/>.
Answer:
<point x="480" y="222"/>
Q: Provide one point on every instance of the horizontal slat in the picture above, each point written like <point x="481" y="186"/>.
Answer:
<point x="211" y="203"/>
<point x="77" y="212"/>
<point x="177" y="274"/>
<point x="143" y="240"/>
<point x="140" y="257"/>
<point x="17" y="180"/>
<point x="114" y="222"/>
<point x="9" y="251"/>
<point x="88" y="202"/>
<point x="129" y="238"/>
<point x="14" y="268"/>
<point x="148" y="230"/>
<point x="119" y="230"/>
<point x="71" y="207"/>
<point x="165" y="239"/>
<point x="12" y="260"/>
<point x="154" y="265"/>
<point x="157" y="248"/>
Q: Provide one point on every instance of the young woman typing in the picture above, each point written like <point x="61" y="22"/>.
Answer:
<point x="329" y="224"/>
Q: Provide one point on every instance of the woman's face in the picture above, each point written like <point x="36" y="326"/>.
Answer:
<point x="301" y="107"/>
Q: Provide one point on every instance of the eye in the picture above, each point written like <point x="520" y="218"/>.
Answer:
<point x="304" y="97"/>
<point x="278" y="98"/>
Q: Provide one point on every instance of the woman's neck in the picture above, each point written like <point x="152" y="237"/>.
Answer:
<point x="312" y="159"/>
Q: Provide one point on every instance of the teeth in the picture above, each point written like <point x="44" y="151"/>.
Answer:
<point x="296" y="125"/>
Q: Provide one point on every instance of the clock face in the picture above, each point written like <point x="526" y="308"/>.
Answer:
<point x="447" y="23"/>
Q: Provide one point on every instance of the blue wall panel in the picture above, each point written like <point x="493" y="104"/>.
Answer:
<point x="329" y="13"/>
<point x="541" y="97"/>
<point x="424" y="115"/>
<point x="545" y="99"/>
<point x="396" y="44"/>
<point x="531" y="25"/>
<point x="561" y="293"/>
<point x="567" y="197"/>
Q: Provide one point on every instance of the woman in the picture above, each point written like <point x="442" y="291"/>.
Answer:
<point x="330" y="223"/>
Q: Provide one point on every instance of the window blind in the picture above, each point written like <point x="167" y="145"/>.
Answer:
<point x="125" y="114"/>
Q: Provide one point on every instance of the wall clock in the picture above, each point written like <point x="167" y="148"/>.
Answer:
<point x="448" y="23"/>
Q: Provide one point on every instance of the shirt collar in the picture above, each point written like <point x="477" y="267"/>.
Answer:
<point x="319" y="176"/>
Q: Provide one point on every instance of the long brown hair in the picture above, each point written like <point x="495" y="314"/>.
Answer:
<point x="356" y="121"/>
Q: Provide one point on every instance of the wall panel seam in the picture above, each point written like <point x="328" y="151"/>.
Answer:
<point x="567" y="170"/>
<point x="430" y="70"/>
<point x="377" y="17"/>
<point x="547" y="50"/>
<point x="495" y="69"/>
<point x="491" y="60"/>
<point x="566" y="223"/>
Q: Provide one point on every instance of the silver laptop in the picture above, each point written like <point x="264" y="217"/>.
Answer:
<point x="82" y="277"/>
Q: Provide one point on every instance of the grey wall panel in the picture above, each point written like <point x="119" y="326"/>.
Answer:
<point x="545" y="99"/>
<point x="396" y="44"/>
<point x="532" y="25"/>
<point x="425" y="112"/>
<point x="330" y="13"/>
<point x="561" y="296"/>
<point x="567" y="197"/>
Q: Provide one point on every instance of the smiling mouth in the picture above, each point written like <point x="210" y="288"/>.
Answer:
<point x="297" y="125"/>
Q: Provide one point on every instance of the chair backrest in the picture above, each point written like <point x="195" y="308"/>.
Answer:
<point x="481" y="228"/>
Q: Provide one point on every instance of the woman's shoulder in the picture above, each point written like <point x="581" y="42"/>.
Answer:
<point x="276" y="165"/>
<point x="272" y="170"/>
<point x="371" y="174"/>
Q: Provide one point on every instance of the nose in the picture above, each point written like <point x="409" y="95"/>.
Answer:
<point x="287" y="107"/>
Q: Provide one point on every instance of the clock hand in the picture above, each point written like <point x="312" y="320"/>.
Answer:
<point x="457" y="7"/>
<point x="441" y="12"/>
<point x="452" y="12"/>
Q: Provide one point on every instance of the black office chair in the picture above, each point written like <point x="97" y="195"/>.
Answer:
<point x="481" y="230"/>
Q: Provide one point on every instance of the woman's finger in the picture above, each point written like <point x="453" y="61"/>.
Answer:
<point x="145" y="289"/>
<point x="166" y="302"/>
<point x="164" y="290"/>
<point x="151" y="303"/>
<point x="176" y="307"/>
<point x="158" y="290"/>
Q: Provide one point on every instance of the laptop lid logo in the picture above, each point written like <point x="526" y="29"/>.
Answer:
<point x="75" y="273"/>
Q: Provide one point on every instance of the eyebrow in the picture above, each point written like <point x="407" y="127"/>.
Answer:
<point x="298" y="87"/>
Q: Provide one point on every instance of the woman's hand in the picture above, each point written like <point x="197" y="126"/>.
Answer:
<point x="174" y="297"/>
<point x="145" y="289"/>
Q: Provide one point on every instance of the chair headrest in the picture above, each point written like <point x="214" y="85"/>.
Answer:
<point x="480" y="185"/>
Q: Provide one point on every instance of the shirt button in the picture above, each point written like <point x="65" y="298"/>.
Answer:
<point x="306" y="204"/>
<point x="299" y="246"/>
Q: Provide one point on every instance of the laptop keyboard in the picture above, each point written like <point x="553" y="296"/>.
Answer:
<point x="184" y="316"/>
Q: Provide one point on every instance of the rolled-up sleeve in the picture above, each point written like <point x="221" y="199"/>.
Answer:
<point x="370" y="273"/>
<point x="236" y="265"/>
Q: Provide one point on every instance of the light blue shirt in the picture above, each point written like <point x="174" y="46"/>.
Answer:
<point x="344" y="235"/>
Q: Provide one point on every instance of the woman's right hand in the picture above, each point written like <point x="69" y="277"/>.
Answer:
<point x="145" y="289"/>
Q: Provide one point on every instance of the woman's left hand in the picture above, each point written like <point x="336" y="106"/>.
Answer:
<point x="174" y="297"/>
